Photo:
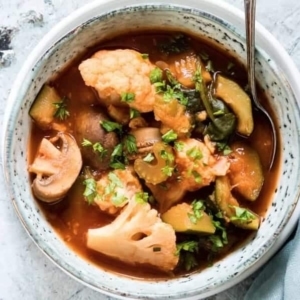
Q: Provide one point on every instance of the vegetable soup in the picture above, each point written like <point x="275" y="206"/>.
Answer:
<point x="147" y="156"/>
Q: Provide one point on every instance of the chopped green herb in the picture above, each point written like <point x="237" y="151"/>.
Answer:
<point x="149" y="157"/>
<point x="111" y="126"/>
<point x="190" y="261"/>
<point x="167" y="170"/>
<point x="221" y="228"/>
<point x="159" y="86"/>
<point x="141" y="197"/>
<point x="242" y="214"/>
<point x="169" y="136"/>
<point x="134" y="113"/>
<point x="127" y="97"/>
<point x="194" y="153"/>
<point x="179" y="146"/>
<point x="86" y="143"/>
<point x="97" y="147"/>
<point x="156" y="75"/>
<point x="167" y="156"/>
<point x="130" y="143"/>
<point x="197" y="176"/>
<point x="115" y="179"/>
<point x="117" y="165"/>
<point x="174" y="93"/>
<point x="156" y="249"/>
<point x="145" y="55"/>
<point x="118" y="150"/>
<point x="90" y="191"/>
<point x="209" y="67"/>
<point x="197" y="207"/>
<point x="189" y="246"/>
<point x="61" y="112"/>
<point x="224" y="148"/>
<point x="118" y="200"/>
<point x="219" y="215"/>
<point x="216" y="242"/>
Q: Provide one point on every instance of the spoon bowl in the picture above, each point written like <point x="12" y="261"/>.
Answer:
<point x="250" y="6"/>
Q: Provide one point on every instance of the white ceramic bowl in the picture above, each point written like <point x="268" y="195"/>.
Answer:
<point x="96" y="21"/>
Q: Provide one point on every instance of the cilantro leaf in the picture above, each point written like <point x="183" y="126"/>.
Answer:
<point x="145" y="55"/>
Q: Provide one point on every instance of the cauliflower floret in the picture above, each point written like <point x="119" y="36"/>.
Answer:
<point x="197" y="166"/>
<point x="114" y="72"/>
<point x="115" y="188"/>
<point x="137" y="236"/>
<point x="173" y="115"/>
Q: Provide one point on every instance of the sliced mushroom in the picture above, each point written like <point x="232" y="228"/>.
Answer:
<point x="56" y="167"/>
<point x="145" y="137"/>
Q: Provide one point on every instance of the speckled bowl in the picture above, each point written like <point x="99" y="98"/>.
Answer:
<point x="220" y="23"/>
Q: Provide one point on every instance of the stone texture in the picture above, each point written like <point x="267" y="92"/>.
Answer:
<point x="25" y="273"/>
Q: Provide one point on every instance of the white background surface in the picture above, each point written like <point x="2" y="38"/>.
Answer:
<point x="25" y="273"/>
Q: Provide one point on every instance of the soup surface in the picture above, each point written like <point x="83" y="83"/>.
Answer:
<point x="147" y="157"/>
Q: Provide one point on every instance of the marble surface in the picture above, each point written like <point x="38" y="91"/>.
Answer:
<point x="25" y="273"/>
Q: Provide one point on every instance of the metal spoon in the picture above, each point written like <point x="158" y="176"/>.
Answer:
<point x="250" y="37"/>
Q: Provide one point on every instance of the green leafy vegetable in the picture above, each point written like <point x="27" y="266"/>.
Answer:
<point x="117" y="158"/>
<point x="61" y="112"/>
<point x="115" y="179"/>
<point x="197" y="177"/>
<point x="97" y="147"/>
<point x="145" y="55"/>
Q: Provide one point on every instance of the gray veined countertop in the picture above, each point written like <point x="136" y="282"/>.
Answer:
<point x="25" y="273"/>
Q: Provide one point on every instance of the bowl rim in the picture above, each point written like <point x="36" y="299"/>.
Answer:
<point x="81" y="16"/>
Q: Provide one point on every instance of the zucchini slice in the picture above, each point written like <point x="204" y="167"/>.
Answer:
<point x="229" y="206"/>
<point x="240" y="103"/>
<point x="179" y="218"/>
<point x="43" y="109"/>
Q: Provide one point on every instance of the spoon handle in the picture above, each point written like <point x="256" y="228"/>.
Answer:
<point x="250" y="6"/>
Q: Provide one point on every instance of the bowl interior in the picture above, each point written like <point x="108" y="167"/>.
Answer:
<point x="87" y="33"/>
